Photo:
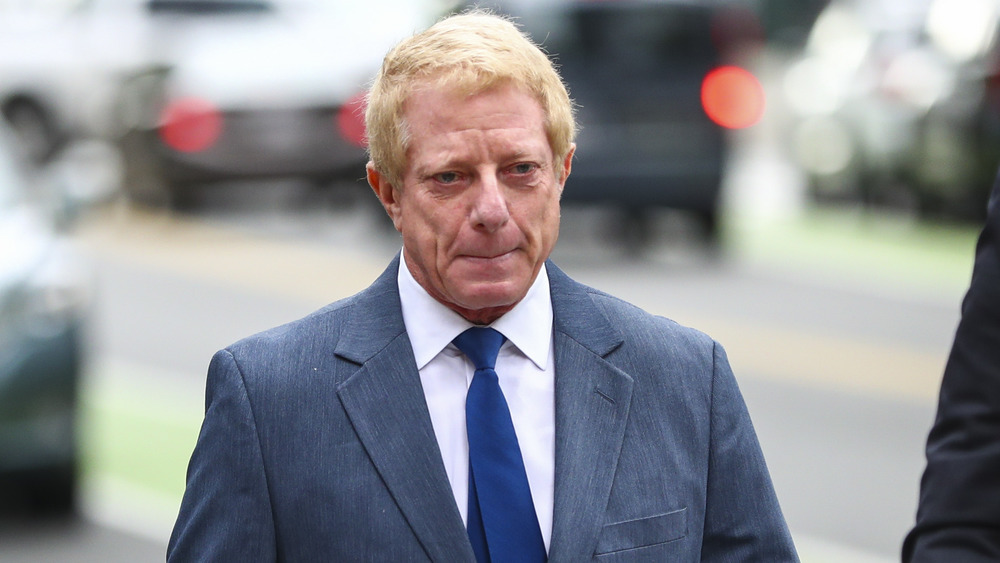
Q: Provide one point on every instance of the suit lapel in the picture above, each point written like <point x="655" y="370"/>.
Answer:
<point x="385" y="403"/>
<point x="592" y="407"/>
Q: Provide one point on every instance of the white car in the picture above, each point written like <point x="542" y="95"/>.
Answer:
<point x="250" y="89"/>
<point x="61" y="62"/>
<point x="200" y="91"/>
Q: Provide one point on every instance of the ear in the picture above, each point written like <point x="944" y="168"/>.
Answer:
<point x="567" y="165"/>
<point x="386" y="194"/>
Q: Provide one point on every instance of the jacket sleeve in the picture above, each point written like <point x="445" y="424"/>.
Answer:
<point x="225" y="514"/>
<point x="743" y="521"/>
<point x="958" y="518"/>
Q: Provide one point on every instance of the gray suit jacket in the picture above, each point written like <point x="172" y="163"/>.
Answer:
<point x="317" y="444"/>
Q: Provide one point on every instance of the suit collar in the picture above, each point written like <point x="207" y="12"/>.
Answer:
<point x="374" y="318"/>
<point x="576" y="315"/>
<point x="378" y="319"/>
<point x="528" y="326"/>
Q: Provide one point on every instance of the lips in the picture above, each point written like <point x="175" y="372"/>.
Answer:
<point x="487" y="257"/>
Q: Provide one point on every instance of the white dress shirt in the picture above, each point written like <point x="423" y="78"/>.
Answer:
<point x="524" y="368"/>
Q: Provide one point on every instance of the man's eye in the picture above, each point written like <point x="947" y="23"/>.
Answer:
<point x="446" y="177"/>
<point x="523" y="168"/>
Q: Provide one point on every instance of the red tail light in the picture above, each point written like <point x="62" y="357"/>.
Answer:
<point x="732" y="97"/>
<point x="190" y="125"/>
<point x="351" y="120"/>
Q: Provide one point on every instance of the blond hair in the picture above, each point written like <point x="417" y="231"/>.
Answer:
<point x="470" y="52"/>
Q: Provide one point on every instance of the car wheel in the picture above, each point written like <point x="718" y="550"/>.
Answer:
<point x="34" y="130"/>
<point x="53" y="491"/>
<point x="183" y="196"/>
<point x="40" y="492"/>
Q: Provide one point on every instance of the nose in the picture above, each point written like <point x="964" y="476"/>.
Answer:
<point x="489" y="208"/>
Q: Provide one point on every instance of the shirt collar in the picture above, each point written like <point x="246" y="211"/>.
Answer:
<point x="431" y="326"/>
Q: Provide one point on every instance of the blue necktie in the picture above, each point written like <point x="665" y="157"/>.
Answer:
<point x="502" y="523"/>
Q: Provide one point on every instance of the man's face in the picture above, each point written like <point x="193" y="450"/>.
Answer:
<point x="478" y="207"/>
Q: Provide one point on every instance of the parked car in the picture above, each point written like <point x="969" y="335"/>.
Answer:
<point x="253" y="89"/>
<point x="896" y="104"/>
<point x="198" y="91"/>
<point x="60" y="64"/>
<point x="657" y="89"/>
<point x="44" y="298"/>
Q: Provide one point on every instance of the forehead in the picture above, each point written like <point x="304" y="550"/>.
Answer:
<point x="436" y="114"/>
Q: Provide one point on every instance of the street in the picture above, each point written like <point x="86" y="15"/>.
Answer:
<point x="839" y="371"/>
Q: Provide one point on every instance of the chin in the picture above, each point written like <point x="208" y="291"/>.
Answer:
<point x="483" y="307"/>
<point x="496" y="294"/>
<point x="494" y="302"/>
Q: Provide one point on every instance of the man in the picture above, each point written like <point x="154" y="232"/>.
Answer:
<point x="359" y="433"/>
<point x="958" y="519"/>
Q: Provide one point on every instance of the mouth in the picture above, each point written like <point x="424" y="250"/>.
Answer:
<point x="488" y="258"/>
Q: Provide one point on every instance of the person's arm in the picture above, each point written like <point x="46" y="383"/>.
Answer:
<point x="743" y="521"/>
<point x="226" y="512"/>
<point x="958" y="518"/>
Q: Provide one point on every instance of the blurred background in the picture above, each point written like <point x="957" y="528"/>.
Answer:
<point x="803" y="180"/>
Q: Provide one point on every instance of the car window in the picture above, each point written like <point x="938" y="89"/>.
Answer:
<point x="652" y="40"/>
<point x="209" y="7"/>
<point x="646" y="35"/>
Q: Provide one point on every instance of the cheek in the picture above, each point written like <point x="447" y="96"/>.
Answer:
<point x="546" y="218"/>
<point x="432" y="227"/>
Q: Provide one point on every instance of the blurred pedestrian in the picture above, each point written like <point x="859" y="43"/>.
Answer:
<point x="475" y="403"/>
<point x="958" y="519"/>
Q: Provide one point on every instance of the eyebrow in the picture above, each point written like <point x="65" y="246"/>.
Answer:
<point x="457" y="159"/>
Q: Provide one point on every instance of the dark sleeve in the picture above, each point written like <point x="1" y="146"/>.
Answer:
<point x="225" y="514"/>
<point x="958" y="518"/>
<point x="743" y="521"/>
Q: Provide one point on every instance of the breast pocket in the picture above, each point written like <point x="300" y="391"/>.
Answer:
<point x="643" y="532"/>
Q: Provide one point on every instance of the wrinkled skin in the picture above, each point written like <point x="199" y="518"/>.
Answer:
<point x="478" y="207"/>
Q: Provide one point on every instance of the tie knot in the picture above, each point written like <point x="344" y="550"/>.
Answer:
<point x="481" y="345"/>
